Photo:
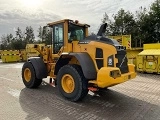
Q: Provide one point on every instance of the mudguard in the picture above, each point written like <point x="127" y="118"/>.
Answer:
<point x="85" y="61"/>
<point x="39" y="66"/>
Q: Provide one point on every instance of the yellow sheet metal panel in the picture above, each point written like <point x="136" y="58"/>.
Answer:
<point x="0" y="53"/>
<point x="139" y="62"/>
<point x="149" y="59"/>
<point x="31" y="52"/>
<point x="124" y="40"/>
<point x="10" y="56"/>
<point x="30" y="47"/>
<point x="158" y="67"/>
<point x="23" y="55"/>
<point x="118" y="38"/>
<point x="151" y="46"/>
<point x="132" y="53"/>
<point x="132" y="61"/>
<point x="150" y="52"/>
<point x="148" y="63"/>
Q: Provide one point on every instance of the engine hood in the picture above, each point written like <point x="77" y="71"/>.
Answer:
<point x="99" y="39"/>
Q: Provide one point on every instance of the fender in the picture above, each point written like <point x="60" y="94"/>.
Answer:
<point x="39" y="67"/>
<point x="85" y="61"/>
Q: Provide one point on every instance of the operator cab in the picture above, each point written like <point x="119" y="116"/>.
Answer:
<point x="66" y="31"/>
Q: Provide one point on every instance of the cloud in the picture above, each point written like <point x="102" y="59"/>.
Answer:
<point x="13" y="14"/>
<point x="19" y="16"/>
<point x="91" y="11"/>
<point x="10" y="20"/>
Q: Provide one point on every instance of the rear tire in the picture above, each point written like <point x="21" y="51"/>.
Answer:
<point x="29" y="76"/>
<point x="72" y="83"/>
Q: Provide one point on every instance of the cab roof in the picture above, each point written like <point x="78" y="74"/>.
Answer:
<point x="68" y="20"/>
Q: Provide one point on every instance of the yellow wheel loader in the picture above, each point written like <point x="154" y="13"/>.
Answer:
<point x="78" y="62"/>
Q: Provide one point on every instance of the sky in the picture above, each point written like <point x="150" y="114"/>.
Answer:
<point x="35" y="13"/>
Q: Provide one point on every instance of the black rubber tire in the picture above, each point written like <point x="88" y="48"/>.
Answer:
<point x="81" y="84"/>
<point x="34" y="82"/>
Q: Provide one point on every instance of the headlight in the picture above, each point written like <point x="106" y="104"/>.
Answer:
<point x="115" y="73"/>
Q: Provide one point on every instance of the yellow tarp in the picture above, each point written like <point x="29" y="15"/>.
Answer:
<point x="150" y="52"/>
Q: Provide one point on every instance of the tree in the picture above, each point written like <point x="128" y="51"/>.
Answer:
<point x="123" y="23"/>
<point x="29" y="35"/>
<point x="40" y="33"/>
<point x="19" y="35"/>
<point x="148" y="23"/>
<point x="17" y="42"/>
<point x="105" y="18"/>
<point x="155" y="20"/>
<point x="108" y="21"/>
<point x="139" y="31"/>
<point x="9" y="39"/>
<point x="3" y="42"/>
<point x="6" y="42"/>
<point x="47" y="35"/>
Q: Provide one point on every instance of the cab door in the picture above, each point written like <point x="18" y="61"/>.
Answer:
<point x="58" y="37"/>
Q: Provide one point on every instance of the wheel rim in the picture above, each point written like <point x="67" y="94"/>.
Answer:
<point x="68" y="84"/>
<point x="27" y="74"/>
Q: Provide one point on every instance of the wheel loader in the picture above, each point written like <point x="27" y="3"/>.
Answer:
<point x="77" y="62"/>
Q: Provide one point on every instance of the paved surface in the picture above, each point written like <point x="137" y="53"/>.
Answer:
<point x="138" y="99"/>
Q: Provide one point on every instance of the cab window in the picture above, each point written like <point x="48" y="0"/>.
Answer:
<point x="58" y="37"/>
<point x="75" y="32"/>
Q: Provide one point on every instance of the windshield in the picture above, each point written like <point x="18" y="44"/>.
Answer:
<point x="76" y="32"/>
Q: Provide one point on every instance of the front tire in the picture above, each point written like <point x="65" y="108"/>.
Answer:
<point x="72" y="83"/>
<point x="29" y="76"/>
